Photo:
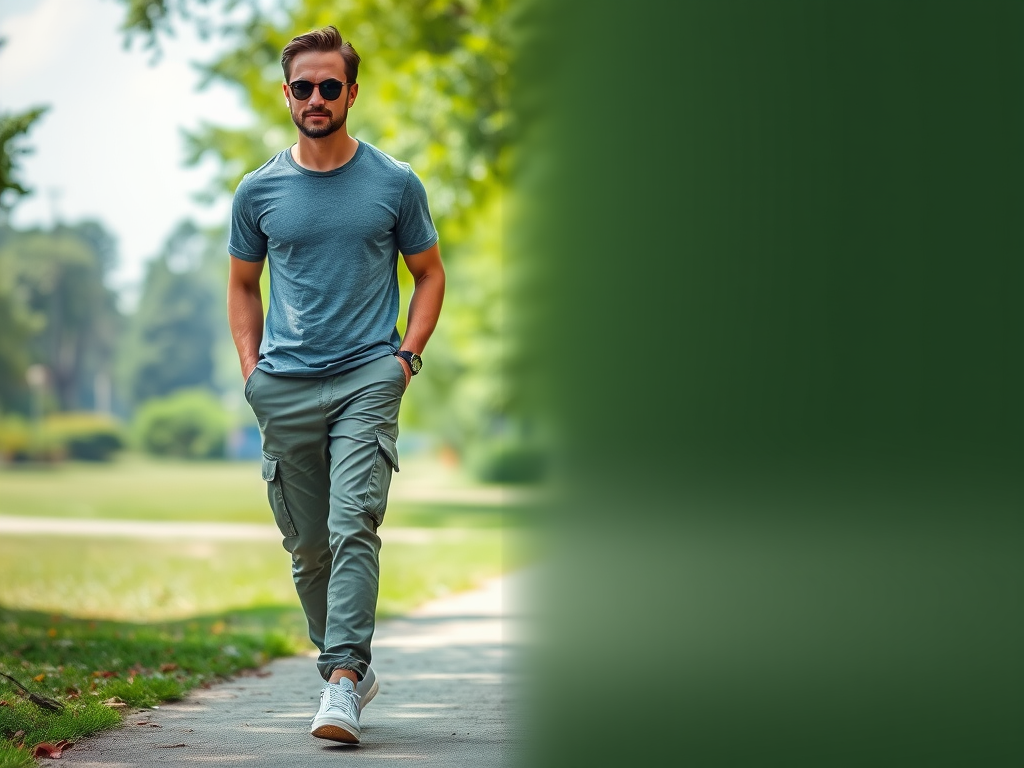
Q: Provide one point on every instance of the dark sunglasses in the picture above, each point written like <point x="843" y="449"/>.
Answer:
<point x="329" y="89"/>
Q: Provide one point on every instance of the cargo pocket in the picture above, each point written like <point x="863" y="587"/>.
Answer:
<point x="276" y="496"/>
<point x="386" y="460"/>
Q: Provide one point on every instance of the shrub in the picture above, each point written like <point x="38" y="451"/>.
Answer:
<point x="19" y="441"/>
<point x="84" y="435"/>
<point x="510" y="461"/>
<point x="189" y="424"/>
<point x="15" y="437"/>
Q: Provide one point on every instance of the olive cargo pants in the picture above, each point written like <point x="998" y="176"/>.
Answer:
<point x="328" y="454"/>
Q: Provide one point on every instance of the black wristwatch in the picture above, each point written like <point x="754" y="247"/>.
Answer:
<point x="415" y="361"/>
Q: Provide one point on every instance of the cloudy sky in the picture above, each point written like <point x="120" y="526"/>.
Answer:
<point x="110" y="146"/>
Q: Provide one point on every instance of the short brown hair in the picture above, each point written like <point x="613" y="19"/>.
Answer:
<point x="323" y="40"/>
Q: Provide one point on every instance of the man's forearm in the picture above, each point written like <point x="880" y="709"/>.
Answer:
<point x="424" y="310"/>
<point x="245" y="318"/>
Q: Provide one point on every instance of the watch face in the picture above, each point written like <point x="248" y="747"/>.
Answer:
<point x="415" y="364"/>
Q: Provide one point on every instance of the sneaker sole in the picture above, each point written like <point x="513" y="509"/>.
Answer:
<point x="369" y="695"/>
<point x="335" y="733"/>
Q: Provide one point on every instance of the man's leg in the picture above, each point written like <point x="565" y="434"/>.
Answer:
<point x="296" y="469"/>
<point x="363" y="428"/>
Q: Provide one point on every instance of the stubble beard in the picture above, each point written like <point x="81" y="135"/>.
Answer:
<point x="319" y="132"/>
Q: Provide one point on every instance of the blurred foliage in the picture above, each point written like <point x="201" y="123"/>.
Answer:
<point x="433" y="93"/>
<point x="190" y="424"/>
<point x="86" y="436"/>
<point x="170" y="341"/>
<point x="13" y="128"/>
<point x="19" y="441"/>
<point x="61" y="314"/>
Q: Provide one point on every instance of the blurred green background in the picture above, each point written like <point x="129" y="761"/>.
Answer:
<point x="781" y="243"/>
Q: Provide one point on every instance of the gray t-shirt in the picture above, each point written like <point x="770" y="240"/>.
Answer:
<point x="332" y="238"/>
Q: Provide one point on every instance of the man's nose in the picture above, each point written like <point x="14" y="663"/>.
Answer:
<point x="316" y="99"/>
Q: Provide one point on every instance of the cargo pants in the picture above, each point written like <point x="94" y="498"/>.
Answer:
<point x="329" y="449"/>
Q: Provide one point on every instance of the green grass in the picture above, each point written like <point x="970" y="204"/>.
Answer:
<point x="91" y="665"/>
<point x="135" y="488"/>
<point x="129" y="579"/>
<point x="139" y="488"/>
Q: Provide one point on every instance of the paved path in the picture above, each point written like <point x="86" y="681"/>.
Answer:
<point x="448" y="686"/>
<point x="194" y="530"/>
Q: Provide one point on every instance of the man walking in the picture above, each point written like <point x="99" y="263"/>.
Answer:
<point x="326" y="373"/>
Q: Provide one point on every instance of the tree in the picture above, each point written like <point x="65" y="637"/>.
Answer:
<point x="64" y="314"/>
<point x="13" y="355"/>
<point x="173" y="334"/>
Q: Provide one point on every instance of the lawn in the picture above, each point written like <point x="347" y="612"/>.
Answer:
<point x="139" y="488"/>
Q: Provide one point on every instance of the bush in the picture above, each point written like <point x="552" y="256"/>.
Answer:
<point x="510" y="461"/>
<point x="85" y="436"/>
<point x="19" y="441"/>
<point x="189" y="424"/>
<point x="15" y="437"/>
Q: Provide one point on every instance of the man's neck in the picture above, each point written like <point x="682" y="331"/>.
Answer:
<point x="324" y="154"/>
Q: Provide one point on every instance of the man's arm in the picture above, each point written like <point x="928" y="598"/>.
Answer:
<point x="245" y="311"/>
<point x="425" y="305"/>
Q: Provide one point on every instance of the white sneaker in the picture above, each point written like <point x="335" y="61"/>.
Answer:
<point x="338" y="718"/>
<point x="367" y="687"/>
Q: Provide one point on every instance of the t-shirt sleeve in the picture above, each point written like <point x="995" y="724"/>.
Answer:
<point x="245" y="240"/>
<point x="416" y="231"/>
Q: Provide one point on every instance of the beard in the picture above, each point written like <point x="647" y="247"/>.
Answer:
<point x="320" y="131"/>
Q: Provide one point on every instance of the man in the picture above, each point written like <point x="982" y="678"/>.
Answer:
<point x="330" y="215"/>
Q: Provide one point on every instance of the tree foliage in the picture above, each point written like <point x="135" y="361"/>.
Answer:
<point x="13" y="129"/>
<point x="62" y="314"/>
<point x="172" y="336"/>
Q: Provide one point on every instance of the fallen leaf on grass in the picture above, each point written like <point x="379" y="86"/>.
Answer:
<point x="40" y="678"/>
<point x="114" y="701"/>
<point x="104" y="673"/>
<point x="46" y="749"/>
<point x="168" y="667"/>
<point x="17" y="735"/>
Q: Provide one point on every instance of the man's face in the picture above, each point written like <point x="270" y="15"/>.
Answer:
<point x="315" y="116"/>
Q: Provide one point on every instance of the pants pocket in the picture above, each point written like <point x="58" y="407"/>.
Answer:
<point x="247" y="391"/>
<point x="276" y="495"/>
<point x="385" y="461"/>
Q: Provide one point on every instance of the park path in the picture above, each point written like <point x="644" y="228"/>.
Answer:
<point x="450" y="680"/>
<point x="191" y="530"/>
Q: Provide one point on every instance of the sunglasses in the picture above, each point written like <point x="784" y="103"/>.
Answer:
<point x="329" y="89"/>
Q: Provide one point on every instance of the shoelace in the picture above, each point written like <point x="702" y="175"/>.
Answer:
<point x="342" y="698"/>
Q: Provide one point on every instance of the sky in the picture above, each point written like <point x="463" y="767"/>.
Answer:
<point x="110" y="146"/>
